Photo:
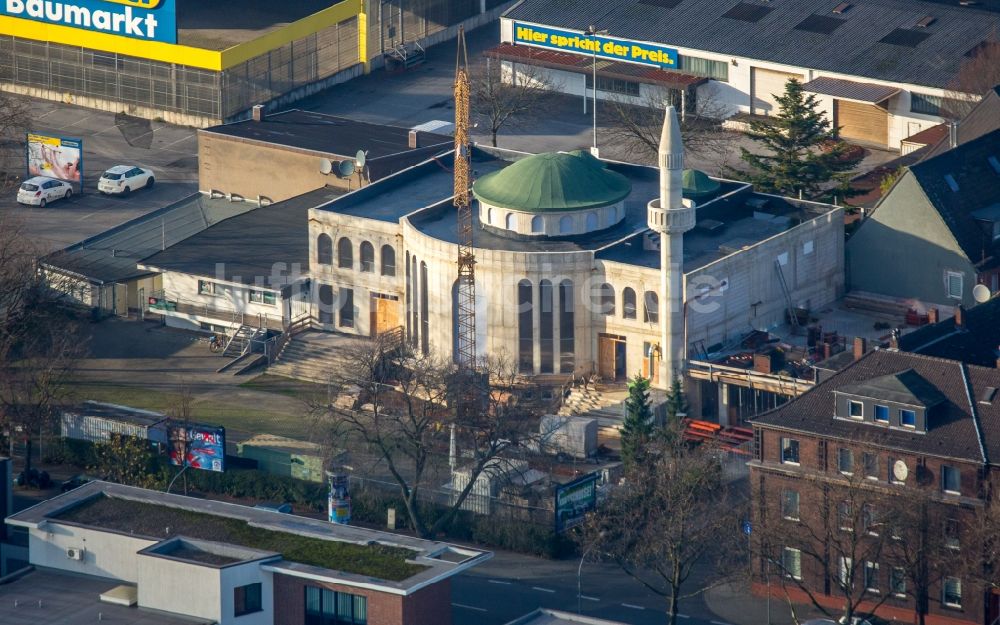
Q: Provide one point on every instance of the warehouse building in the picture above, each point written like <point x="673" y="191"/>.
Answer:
<point x="202" y="63"/>
<point x="881" y="70"/>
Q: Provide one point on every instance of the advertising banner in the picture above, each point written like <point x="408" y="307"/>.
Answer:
<point x="574" y="500"/>
<point x="610" y="48"/>
<point x="149" y="20"/>
<point x="55" y="157"/>
<point x="198" y="446"/>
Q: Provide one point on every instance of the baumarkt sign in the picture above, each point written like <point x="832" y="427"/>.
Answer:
<point x="603" y="47"/>
<point x="150" y="20"/>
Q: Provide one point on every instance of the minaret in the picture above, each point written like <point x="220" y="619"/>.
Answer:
<point x="671" y="215"/>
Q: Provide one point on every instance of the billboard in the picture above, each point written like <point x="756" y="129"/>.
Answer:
<point x="149" y="20"/>
<point x="55" y="157"/>
<point x="198" y="446"/>
<point x="574" y="500"/>
<point x="610" y="48"/>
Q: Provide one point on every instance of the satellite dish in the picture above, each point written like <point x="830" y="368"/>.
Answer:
<point x="360" y="158"/>
<point x="345" y="169"/>
<point x="900" y="471"/>
<point x="325" y="166"/>
<point x="981" y="293"/>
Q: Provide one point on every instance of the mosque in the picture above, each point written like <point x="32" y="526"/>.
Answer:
<point x="584" y="268"/>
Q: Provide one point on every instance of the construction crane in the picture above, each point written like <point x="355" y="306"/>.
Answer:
<point x="466" y="255"/>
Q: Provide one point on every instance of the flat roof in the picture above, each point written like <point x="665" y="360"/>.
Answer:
<point x="328" y="134"/>
<point x="267" y="246"/>
<point x="310" y="548"/>
<point x="90" y="408"/>
<point x="857" y="42"/>
<point x="222" y="24"/>
<point x="56" y="598"/>
<point x="111" y="256"/>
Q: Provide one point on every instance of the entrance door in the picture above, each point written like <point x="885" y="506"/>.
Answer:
<point x="861" y="122"/>
<point x="611" y="357"/>
<point x="384" y="313"/>
<point x="651" y="363"/>
<point x="765" y="86"/>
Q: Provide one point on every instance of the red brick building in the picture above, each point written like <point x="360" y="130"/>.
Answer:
<point x="829" y="471"/>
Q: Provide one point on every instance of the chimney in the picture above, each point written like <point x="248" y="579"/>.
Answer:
<point x="894" y="339"/>
<point x="960" y="316"/>
<point x="258" y="112"/>
<point x="860" y="347"/>
<point x="414" y="142"/>
<point x="953" y="134"/>
<point x="932" y="314"/>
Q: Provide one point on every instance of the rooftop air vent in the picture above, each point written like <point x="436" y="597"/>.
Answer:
<point x="926" y="21"/>
<point x="989" y="393"/>
<point x="842" y="8"/>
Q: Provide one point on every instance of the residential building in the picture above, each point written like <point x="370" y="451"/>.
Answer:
<point x="233" y="565"/>
<point x="971" y="336"/>
<point x="889" y="425"/>
<point x="877" y="87"/>
<point x="936" y="235"/>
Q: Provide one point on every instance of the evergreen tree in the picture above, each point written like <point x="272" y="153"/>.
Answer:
<point x="637" y="427"/>
<point x="676" y="402"/>
<point x="801" y="151"/>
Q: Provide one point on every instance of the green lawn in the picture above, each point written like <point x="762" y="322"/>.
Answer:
<point x="298" y="389"/>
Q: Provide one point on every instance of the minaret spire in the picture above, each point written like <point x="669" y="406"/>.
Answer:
<point x="671" y="216"/>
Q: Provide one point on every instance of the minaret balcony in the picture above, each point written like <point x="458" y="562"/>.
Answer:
<point x="671" y="220"/>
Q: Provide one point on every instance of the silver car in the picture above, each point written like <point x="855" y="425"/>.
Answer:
<point x="39" y="191"/>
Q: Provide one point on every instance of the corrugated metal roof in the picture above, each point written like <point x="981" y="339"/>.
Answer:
<point x="852" y="49"/>
<point x="112" y="255"/>
<point x="850" y="90"/>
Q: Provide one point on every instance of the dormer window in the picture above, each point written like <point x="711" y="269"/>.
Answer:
<point x="857" y="409"/>
<point x="907" y="418"/>
<point x="881" y="413"/>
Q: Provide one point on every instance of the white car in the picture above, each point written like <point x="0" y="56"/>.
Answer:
<point x="124" y="179"/>
<point x="39" y="191"/>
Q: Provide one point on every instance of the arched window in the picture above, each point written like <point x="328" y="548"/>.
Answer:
<point x="591" y="221"/>
<point x="546" y="326"/>
<point x="567" y="337"/>
<point x="345" y="254"/>
<point x="367" y="257"/>
<point x="525" y="328"/>
<point x="537" y="225"/>
<point x="388" y="260"/>
<point x="511" y="221"/>
<point x="324" y="249"/>
<point x="489" y="215"/>
<point x="325" y="304"/>
<point x="565" y="224"/>
<point x="607" y="305"/>
<point x="651" y="311"/>
<point x="628" y="303"/>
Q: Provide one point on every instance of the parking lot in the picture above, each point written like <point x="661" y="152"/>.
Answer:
<point x="170" y="151"/>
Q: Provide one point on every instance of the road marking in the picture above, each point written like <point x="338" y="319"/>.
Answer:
<point x="78" y="121"/>
<point x="499" y="581"/>
<point x="589" y="598"/>
<point x="107" y="129"/>
<point x="469" y="607"/>
<point x="633" y="606"/>
<point x="683" y="616"/>
<point x="719" y="623"/>
<point x="184" y="138"/>
<point x="540" y="589"/>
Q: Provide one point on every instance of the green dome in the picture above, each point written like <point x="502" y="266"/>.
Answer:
<point x="697" y="184"/>
<point x="553" y="181"/>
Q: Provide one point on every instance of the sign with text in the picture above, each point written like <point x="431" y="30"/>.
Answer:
<point x="574" y="500"/>
<point x="55" y="157"/>
<point x="198" y="446"/>
<point x="151" y="20"/>
<point x="603" y="47"/>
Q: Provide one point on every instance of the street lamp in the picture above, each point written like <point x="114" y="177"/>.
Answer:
<point x="579" y="573"/>
<point x="593" y="32"/>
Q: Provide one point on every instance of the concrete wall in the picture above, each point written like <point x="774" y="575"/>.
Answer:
<point x="231" y="299"/>
<point x="105" y="554"/>
<point x="175" y="586"/>
<point x="904" y="249"/>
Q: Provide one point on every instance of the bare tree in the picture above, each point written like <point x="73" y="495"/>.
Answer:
<point x="507" y="94"/>
<point x="636" y="123"/>
<point x="397" y="402"/>
<point x="15" y="119"/>
<point x="39" y="340"/>
<point x="832" y="544"/>
<point x="673" y="515"/>
<point x="978" y="73"/>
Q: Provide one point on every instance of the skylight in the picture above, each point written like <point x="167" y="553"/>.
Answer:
<point x="842" y="8"/>
<point x="994" y="163"/>
<point x="926" y="21"/>
<point x="746" y="12"/>
<point x="904" y="37"/>
<point x="952" y="183"/>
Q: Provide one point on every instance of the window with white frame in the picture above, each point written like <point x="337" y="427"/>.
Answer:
<point x="856" y="409"/>
<point x="845" y="516"/>
<point x="845" y="572"/>
<point x="870" y="519"/>
<point x="951" y="534"/>
<point x="925" y="104"/>
<point x="951" y="480"/>
<point x="951" y="592"/>
<point x="262" y="297"/>
<point x="790" y="504"/>
<point x="845" y="461"/>
<point x="881" y="413"/>
<point x="206" y="288"/>
<point x="907" y="418"/>
<point x="953" y="283"/>
<point x="791" y="562"/>
<point x="897" y="581"/>
<point x="871" y="465"/>
<point x="789" y="451"/>
<point x="871" y="577"/>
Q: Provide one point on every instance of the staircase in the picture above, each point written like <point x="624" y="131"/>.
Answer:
<point x="404" y="56"/>
<point x="590" y="401"/>
<point x="313" y="355"/>
<point x="239" y="344"/>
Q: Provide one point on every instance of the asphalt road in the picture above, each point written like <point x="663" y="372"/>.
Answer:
<point x="170" y="151"/>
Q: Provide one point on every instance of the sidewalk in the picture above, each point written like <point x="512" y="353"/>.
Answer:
<point x="734" y="604"/>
